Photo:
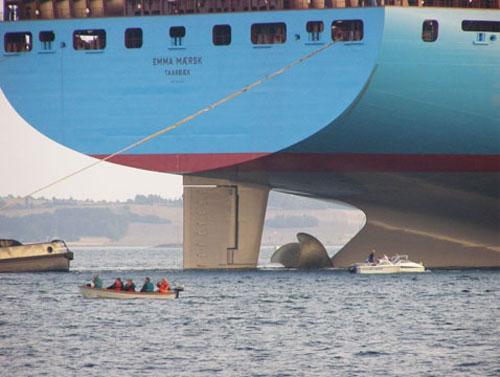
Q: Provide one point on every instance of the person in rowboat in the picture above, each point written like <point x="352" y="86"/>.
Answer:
<point x="96" y="282"/>
<point x="163" y="286"/>
<point x="148" y="286"/>
<point x="130" y="286"/>
<point x="117" y="285"/>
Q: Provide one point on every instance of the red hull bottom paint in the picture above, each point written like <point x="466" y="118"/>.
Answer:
<point x="309" y="162"/>
<point x="182" y="163"/>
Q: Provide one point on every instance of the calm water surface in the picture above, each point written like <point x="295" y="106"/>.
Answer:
<point x="268" y="322"/>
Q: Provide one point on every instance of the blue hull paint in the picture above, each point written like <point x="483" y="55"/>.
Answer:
<point x="425" y="98"/>
<point x="391" y="93"/>
<point x="108" y="99"/>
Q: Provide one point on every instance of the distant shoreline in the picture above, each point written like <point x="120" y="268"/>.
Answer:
<point x="167" y="245"/>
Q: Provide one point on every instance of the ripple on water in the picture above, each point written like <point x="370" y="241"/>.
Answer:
<point x="370" y="353"/>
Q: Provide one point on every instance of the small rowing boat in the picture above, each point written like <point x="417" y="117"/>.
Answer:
<point x="89" y="292"/>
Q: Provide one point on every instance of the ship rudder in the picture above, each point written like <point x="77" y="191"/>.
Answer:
<point x="223" y="222"/>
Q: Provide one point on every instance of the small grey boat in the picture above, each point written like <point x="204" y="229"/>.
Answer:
<point x="34" y="257"/>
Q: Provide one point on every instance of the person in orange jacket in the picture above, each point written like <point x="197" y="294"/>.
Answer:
<point x="163" y="286"/>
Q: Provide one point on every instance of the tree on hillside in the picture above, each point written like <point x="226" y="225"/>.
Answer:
<point x="73" y="223"/>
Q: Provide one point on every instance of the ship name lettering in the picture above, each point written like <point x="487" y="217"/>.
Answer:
<point x="185" y="60"/>
<point x="188" y="60"/>
<point x="163" y="61"/>
<point x="177" y="72"/>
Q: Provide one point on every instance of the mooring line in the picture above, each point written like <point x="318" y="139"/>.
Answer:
<point x="186" y="119"/>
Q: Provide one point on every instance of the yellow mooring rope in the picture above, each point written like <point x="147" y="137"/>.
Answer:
<point x="186" y="119"/>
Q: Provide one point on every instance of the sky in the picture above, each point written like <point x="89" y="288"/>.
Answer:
<point x="30" y="160"/>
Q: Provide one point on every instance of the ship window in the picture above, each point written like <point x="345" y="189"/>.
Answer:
<point x="347" y="30"/>
<point x="272" y="33"/>
<point x="177" y="33"/>
<point x="430" y="30"/>
<point x="221" y="35"/>
<point x="89" y="39"/>
<point x="133" y="38"/>
<point x="46" y="38"/>
<point x="314" y="30"/>
<point x="13" y="12"/>
<point x="487" y="26"/>
<point x="18" y="42"/>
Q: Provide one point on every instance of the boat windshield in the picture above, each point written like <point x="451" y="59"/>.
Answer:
<point x="399" y="258"/>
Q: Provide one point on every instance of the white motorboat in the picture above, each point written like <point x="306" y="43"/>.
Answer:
<point x="385" y="265"/>
<point x="406" y="265"/>
<point x="90" y="292"/>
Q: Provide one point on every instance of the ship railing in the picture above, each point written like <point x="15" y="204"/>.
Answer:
<point x="14" y="10"/>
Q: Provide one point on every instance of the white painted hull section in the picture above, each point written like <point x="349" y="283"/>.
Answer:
<point x="412" y="268"/>
<point x="368" y="269"/>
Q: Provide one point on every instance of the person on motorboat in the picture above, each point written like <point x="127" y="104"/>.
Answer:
<point x="371" y="258"/>
<point x="163" y="286"/>
<point x="148" y="286"/>
<point x="117" y="285"/>
<point x="129" y="286"/>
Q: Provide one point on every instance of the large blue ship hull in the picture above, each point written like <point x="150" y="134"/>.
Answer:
<point x="407" y="130"/>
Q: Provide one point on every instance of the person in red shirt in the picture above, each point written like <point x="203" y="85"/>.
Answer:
<point x="117" y="285"/>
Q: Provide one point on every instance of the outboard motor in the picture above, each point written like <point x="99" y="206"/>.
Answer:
<point x="177" y="289"/>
